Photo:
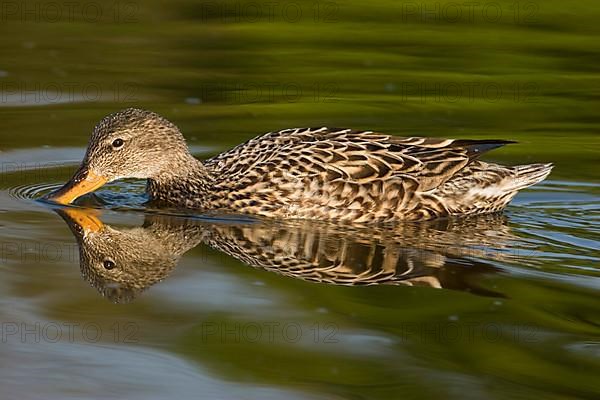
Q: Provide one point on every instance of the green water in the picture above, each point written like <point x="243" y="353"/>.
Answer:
<point x="485" y="308"/>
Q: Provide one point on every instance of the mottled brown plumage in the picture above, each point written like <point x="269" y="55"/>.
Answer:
<point x="309" y="173"/>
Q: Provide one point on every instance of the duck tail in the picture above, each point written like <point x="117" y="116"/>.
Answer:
<point x="528" y="175"/>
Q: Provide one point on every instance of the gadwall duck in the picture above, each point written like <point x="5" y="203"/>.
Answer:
<point x="309" y="173"/>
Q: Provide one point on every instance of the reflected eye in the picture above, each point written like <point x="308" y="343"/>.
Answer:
<point x="108" y="264"/>
<point x="117" y="143"/>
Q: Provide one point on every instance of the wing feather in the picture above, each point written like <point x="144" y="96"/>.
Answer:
<point x="358" y="170"/>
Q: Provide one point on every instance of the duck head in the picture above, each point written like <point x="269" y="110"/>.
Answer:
<point x="131" y="143"/>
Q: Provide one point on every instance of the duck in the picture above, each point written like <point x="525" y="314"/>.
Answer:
<point x="328" y="174"/>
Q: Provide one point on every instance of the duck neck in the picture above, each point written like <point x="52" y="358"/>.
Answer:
<point x="185" y="184"/>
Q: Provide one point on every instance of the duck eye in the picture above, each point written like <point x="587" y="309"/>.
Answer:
<point x="108" y="264"/>
<point x="117" y="143"/>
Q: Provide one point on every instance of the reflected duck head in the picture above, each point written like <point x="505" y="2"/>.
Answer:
<point x="120" y="263"/>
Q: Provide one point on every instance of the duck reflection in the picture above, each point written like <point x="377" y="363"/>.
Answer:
<point x="122" y="262"/>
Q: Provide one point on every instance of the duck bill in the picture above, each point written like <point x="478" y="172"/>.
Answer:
<point x="84" y="181"/>
<point x="82" y="221"/>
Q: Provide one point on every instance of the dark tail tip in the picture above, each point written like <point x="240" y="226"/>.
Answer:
<point x="475" y="148"/>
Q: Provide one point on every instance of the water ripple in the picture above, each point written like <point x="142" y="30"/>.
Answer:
<point x="33" y="191"/>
